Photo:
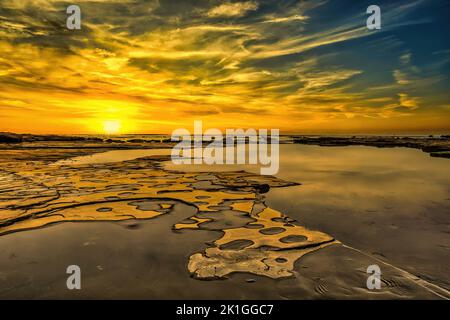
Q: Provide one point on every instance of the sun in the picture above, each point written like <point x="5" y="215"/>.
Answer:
<point x="111" y="126"/>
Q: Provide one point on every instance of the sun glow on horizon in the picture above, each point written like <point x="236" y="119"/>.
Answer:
<point x="112" y="126"/>
<point x="272" y="66"/>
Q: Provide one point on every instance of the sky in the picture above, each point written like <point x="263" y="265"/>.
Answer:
<point x="152" y="66"/>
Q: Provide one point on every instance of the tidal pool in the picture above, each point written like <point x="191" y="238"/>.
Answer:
<point x="393" y="203"/>
<point x="114" y="156"/>
<point x="389" y="203"/>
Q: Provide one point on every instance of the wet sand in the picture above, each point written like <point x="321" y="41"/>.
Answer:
<point x="138" y="230"/>
<point x="149" y="261"/>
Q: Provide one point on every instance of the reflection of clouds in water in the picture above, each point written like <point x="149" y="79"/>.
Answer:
<point x="114" y="156"/>
<point x="131" y="190"/>
<point x="358" y="177"/>
<point x="393" y="201"/>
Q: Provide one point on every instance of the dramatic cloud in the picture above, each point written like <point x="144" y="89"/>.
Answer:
<point x="237" y="9"/>
<point x="301" y="66"/>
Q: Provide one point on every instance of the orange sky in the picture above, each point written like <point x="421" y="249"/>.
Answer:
<point x="151" y="67"/>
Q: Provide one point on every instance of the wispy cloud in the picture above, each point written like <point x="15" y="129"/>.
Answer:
<point x="237" y="9"/>
<point x="287" y="19"/>
<point x="280" y="62"/>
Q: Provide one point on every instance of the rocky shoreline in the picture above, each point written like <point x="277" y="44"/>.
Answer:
<point x="15" y="138"/>
<point x="435" y="146"/>
<point x="172" y="234"/>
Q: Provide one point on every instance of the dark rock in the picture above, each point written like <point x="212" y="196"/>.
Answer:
<point x="263" y="188"/>
<point x="10" y="137"/>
